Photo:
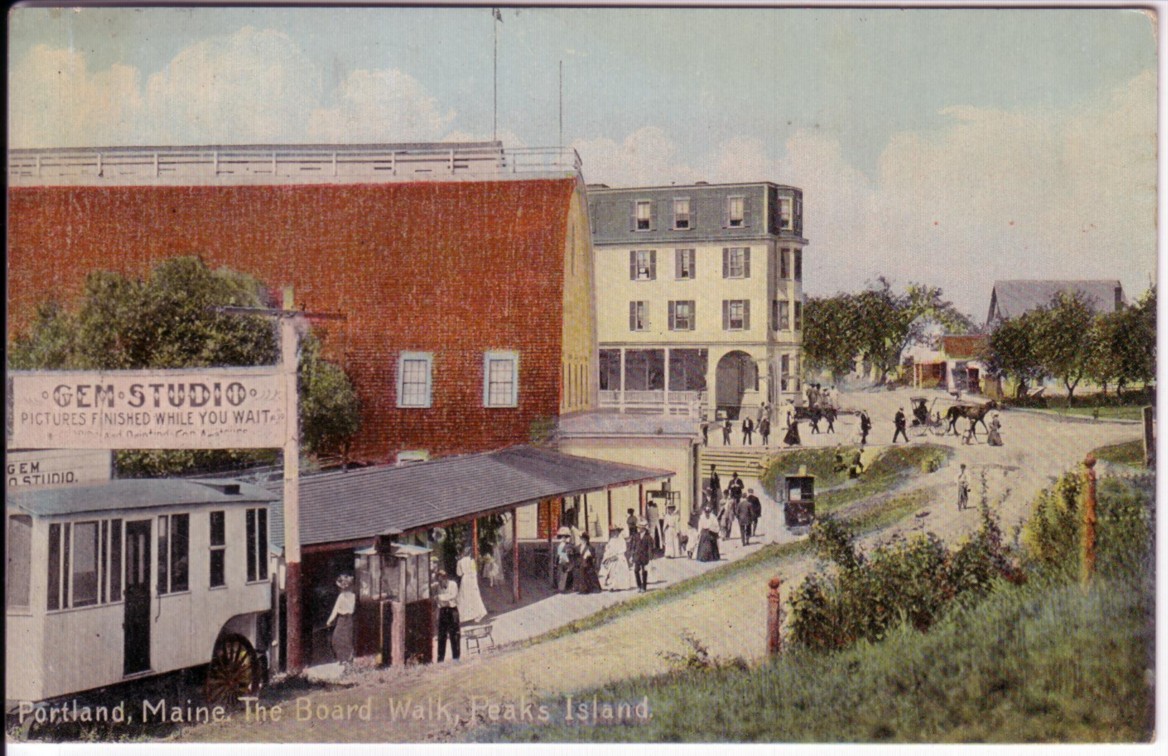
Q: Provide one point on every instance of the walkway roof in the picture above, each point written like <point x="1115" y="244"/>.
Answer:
<point x="361" y="504"/>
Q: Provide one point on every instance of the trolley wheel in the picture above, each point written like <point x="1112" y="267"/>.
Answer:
<point x="235" y="671"/>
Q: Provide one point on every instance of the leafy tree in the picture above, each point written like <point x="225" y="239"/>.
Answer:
<point x="1065" y="338"/>
<point x="829" y="341"/>
<point x="1134" y="342"/>
<point x="886" y="323"/>
<point x="168" y="320"/>
<point x="1011" y="351"/>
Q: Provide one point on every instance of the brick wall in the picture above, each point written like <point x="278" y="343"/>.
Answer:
<point x="452" y="268"/>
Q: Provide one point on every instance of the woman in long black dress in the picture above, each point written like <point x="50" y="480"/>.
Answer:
<point x="587" y="579"/>
<point x="792" y="437"/>
<point x="707" y="550"/>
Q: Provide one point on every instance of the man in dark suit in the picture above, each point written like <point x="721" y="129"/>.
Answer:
<point x="715" y="480"/>
<point x="755" y="510"/>
<point x="641" y="547"/>
<point x="899" y="422"/>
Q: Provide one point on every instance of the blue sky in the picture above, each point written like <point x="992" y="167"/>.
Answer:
<point x="948" y="146"/>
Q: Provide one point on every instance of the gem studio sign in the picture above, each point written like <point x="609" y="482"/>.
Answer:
<point x="156" y="409"/>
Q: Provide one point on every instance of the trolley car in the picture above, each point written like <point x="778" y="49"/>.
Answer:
<point x="132" y="578"/>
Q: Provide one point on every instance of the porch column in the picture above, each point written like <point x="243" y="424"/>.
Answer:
<point x="515" y="594"/>
<point x="474" y="538"/>
<point x="641" y="497"/>
<point x="622" y="380"/>
<point x="665" y="406"/>
<point x="609" y="492"/>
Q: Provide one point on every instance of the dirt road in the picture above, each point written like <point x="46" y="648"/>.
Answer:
<point x="729" y="618"/>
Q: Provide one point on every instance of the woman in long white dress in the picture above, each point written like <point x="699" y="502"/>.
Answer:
<point x="672" y="531"/>
<point x="470" y="602"/>
<point x="615" y="574"/>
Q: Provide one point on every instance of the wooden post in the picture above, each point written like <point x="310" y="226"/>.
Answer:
<point x="515" y="594"/>
<point x="288" y="362"/>
<point x="774" y="617"/>
<point x="1149" y="415"/>
<point x="474" y="538"/>
<point x="609" y="492"/>
<point x="641" y="498"/>
<point x="1088" y="564"/>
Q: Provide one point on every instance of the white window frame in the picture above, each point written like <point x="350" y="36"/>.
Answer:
<point x="682" y="217"/>
<point x="739" y="254"/>
<point x="741" y="304"/>
<point x="640" y="315"/>
<point x="647" y="220"/>
<point x="643" y="262"/>
<point x="786" y="216"/>
<point x="686" y="322"/>
<point x="511" y="398"/>
<point x="686" y="262"/>
<point x="428" y="400"/>
<point x="731" y="220"/>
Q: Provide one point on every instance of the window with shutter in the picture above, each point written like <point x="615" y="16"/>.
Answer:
<point x="785" y="264"/>
<point x="685" y="264"/>
<point x="784" y="316"/>
<point x="672" y="316"/>
<point x="643" y="264"/>
<point x="638" y="316"/>
<point x="681" y="315"/>
<point x="736" y="262"/>
<point x="736" y="314"/>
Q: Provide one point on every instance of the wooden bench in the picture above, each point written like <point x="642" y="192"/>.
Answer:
<point x="475" y="633"/>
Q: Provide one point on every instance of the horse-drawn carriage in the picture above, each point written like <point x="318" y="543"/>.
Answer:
<point x="925" y="419"/>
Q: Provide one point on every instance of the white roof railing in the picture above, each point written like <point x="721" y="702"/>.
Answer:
<point x="286" y="164"/>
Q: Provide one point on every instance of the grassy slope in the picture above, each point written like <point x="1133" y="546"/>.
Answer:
<point x="1130" y="453"/>
<point x="1026" y="665"/>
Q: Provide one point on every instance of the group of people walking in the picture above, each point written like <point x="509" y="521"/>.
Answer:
<point x="721" y="511"/>
<point x="630" y="550"/>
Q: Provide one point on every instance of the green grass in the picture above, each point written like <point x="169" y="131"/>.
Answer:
<point x="1130" y="453"/>
<point x="1029" y="664"/>
<point x="894" y="466"/>
<point x="1105" y="413"/>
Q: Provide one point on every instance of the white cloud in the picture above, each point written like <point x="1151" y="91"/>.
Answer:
<point x="381" y="106"/>
<point x="648" y="156"/>
<point x="253" y="86"/>
<point x="55" y="100"/>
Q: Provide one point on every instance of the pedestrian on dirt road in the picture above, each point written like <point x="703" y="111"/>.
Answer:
<point x="899" y="421"/>
<point x="962" y="489"/>
<point x="764" y="430"/>
<point x="715" y="483"/>
<point x="742" y="514"/>
<point x="816" y="414"/>
<point x="995" y="437"/>
<point x="341" y="621"/>
<point x="865" y="426"/>
<point x="707" y="550"/>
<point x="829" y="416"/>
<point x="705" y="433"/>
<point x="736" y="486"/>
<point x="726" y="433"/>
<point x="755" y="510"/>
<point x="565" y="560"/>
<point x="971" y="433"/>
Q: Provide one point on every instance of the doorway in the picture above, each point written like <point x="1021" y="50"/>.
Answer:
<point x="137" y="598"/>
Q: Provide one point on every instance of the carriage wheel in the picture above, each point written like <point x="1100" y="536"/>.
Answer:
<point x="234" y="671"/>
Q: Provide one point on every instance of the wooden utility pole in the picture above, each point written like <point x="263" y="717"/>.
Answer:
<point x="288" y="364"/>
<point x="774" y="617"/>
<point x="1088" y="560"/>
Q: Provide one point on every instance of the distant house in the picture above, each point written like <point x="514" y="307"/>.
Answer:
<point x="1010" y="299"/>
<point x="957" y="367"/>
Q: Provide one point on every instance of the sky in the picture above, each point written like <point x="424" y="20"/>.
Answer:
<point x="944" y="146"/>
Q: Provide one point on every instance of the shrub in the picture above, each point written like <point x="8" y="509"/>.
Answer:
<point x="908" y="582"/>
<point x="1051" y="535"/>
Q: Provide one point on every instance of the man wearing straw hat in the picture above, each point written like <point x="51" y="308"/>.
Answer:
<point x="448" y="623"/>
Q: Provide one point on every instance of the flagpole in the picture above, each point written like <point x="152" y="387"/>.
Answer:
<point x="495" y="112"/>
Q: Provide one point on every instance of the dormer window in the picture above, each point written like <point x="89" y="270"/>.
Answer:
<point x="681" y="214"/>
<point x="643" y="215"/>
<point x="735" y="212"/>
<point x="785" y="217"/>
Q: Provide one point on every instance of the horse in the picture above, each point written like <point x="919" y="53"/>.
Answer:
<point x="974" y="414"/>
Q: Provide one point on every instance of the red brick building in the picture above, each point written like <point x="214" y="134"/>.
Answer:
<point x="463" y="272"/>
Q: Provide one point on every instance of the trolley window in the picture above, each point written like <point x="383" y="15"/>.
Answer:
<point x="85" y="564"/>
<point x="257" y="545"/>
<point x="19" y="561"/>
<point x="173" y="553"/>
<point x="218" y="549"/>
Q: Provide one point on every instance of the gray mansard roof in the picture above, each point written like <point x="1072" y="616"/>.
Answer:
<point x="1011" y="299"/>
